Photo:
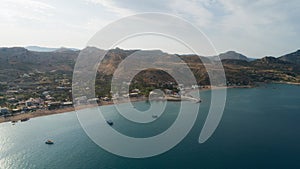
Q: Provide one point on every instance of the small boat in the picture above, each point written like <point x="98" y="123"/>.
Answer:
<point x="25" y="119"/>
<point x="109" y="122"/>
<point x="199" y="101"/>
<point x="154" y="116"/>
<point x="49" y="142"/>
<point x="14" y="121"/>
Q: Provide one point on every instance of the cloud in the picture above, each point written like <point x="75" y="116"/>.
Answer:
<point x="256" y="28"/>
<point x="259" y="28"/>
<point x="112" y="7"/>
<point x="195" y="11"/>
<point x="12" y="11"/>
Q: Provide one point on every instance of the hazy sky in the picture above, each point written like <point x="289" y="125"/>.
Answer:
<point x="255" y="28"/>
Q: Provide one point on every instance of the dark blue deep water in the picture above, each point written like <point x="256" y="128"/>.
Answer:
<point x="260" y="128"/>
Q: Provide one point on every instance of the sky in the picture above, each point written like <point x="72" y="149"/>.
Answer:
<point x="255" y="28"/>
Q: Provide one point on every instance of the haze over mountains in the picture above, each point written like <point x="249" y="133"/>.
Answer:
<point x="47" y="49"/>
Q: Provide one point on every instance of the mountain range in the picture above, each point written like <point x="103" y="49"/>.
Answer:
<point x="239" y="69"/>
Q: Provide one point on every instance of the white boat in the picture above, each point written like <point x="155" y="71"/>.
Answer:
<point x="49" y="142"/>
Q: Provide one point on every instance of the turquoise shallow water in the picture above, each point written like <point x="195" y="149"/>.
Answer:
<point x="260" y="128"/>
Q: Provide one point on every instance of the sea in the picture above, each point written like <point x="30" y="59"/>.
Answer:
<point x="260" y="128"/>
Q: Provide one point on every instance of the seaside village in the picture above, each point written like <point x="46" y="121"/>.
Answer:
<point x="44" y="97"/>
<point x="32" y="92"/>
<point x="14" y="106"/>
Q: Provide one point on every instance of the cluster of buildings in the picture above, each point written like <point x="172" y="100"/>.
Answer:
<point x="35" y="91"/>
<point x="126" y="94"/>
<point x="14" y="105"/>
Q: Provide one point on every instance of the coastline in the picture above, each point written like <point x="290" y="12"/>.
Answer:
<point x="290" y="83"/>
<point x="45" y="112"/>
<point x="34" y="114"/>
<point x="40" y="113"/>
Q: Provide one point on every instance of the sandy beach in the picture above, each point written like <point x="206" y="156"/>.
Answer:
<point x="38" y="113"/>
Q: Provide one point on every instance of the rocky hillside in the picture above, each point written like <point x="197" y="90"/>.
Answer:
<point x="231" y="55"/>
<point x="292" y="57"/>
<point x="239" y="69"/>
<point x="18" y="61"/>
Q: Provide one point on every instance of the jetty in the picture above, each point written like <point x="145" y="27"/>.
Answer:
<point x="183" y="98"/>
